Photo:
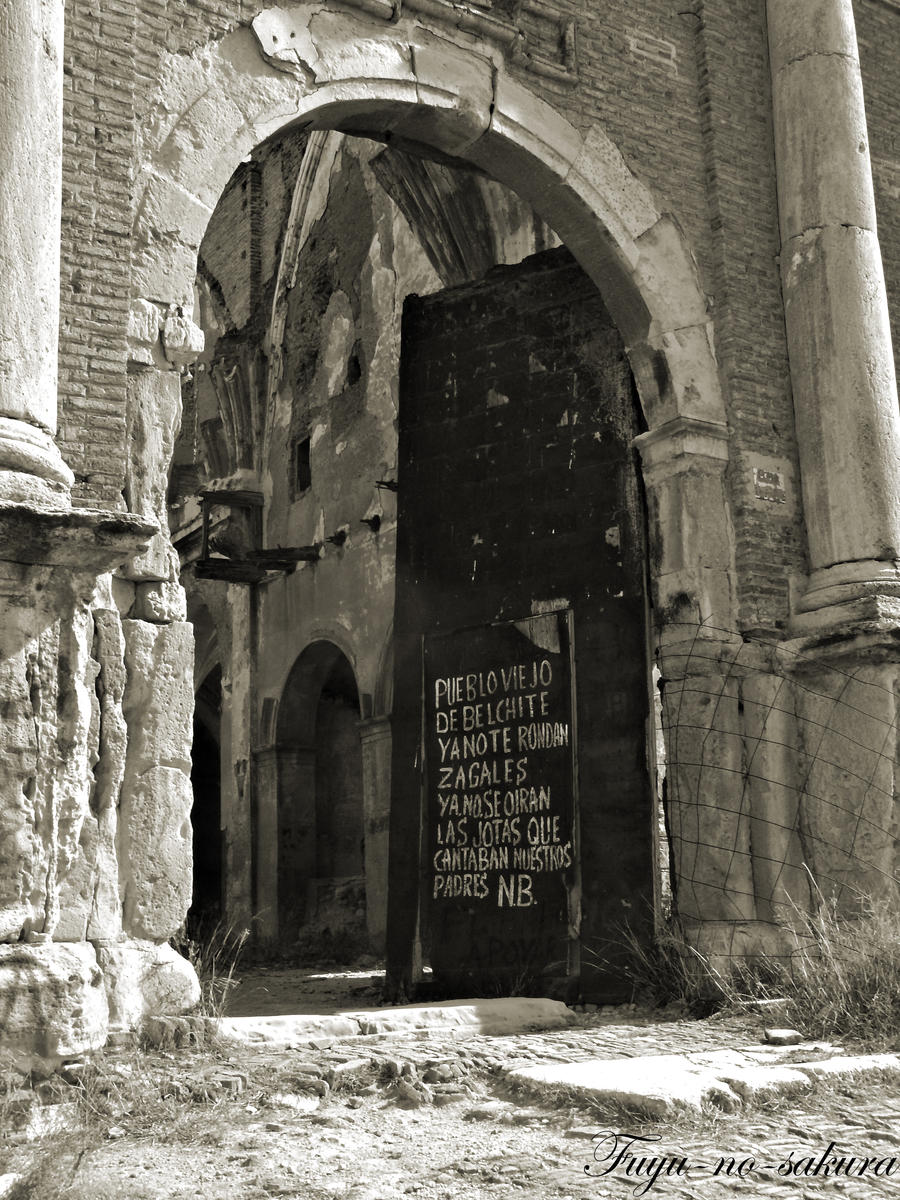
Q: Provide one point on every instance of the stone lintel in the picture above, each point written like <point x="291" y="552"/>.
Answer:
<point x="80" y="539"/>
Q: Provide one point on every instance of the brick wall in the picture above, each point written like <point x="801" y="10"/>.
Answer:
<point x="878" y="30"/>
<point x="684" y="92"/>
<point x="98" y="169"/>
<point x="112" y="55"/>
<point x="738" y="161"/>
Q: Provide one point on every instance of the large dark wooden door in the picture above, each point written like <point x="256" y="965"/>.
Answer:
<point x="518" y="499"/>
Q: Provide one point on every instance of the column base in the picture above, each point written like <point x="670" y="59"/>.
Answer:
<point x="850" y="581"/>
<point x="31" y="468"/>
<point x="850" y="611"/>
<point x="864" y="630"/>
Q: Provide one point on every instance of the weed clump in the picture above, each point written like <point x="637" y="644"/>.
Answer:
<point x="215" y="958"/>
<point x="839" y="979"/>
<point x="668" y="972"/>
<point x="843" y="978"/>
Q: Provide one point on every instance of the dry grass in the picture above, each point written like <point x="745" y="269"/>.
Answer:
<point x="841" y="982"/>
<point x="668" y="972"/>
<point x="142" y="1093"/>
<point x="133" y="1096"/>
<point x="215" y="959"/>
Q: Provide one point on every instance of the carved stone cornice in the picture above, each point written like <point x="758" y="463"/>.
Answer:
<point x="539" y="37"/>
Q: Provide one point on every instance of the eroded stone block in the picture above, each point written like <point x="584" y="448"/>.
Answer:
<point x="160" y="602"/>
<point x="89" y="905"/>
<point x="145" y="979"/>
<point x="52" y="999"/>
<point x="154" y="411"/>
<point x="155" y="870"/>
<point x="21" y="889"/>
<point x="155" y="827"/>
<point x="158" y="700"/>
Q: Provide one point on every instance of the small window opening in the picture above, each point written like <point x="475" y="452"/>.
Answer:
<point x="302" y="471"/>
<point x="354" y="367"/>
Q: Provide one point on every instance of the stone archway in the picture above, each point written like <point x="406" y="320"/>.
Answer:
<point x="357" y="74"/>
<point x="398" y="82"/>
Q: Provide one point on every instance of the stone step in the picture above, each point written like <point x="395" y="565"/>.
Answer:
<point x="668" y="1085"/>
<point x="498" y="1016"/>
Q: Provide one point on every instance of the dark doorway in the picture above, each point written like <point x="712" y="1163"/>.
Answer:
<point x="206" y="813"/>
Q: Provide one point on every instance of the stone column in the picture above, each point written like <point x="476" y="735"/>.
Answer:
<point x="236" y="783"/>
<point x="31" y="46"/>
<point x="375" y="741"/>
<point x="265" y="786"/>
<point x="842" y="369"/>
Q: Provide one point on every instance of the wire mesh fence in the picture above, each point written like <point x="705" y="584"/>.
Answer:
<point x="779" y="784"/>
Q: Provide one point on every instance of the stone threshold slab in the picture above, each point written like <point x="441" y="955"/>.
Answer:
<point x="499" y="1016"/>
<point x="666" y="1085"/>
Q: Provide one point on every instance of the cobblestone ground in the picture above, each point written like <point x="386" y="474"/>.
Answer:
<point x="430" y="1116"/>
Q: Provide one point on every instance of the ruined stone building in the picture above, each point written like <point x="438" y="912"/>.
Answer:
<point x="447" y="432"/>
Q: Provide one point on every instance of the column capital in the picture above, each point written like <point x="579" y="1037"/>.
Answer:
<point x="682" y="444"/>
<point x="374" y="728"/>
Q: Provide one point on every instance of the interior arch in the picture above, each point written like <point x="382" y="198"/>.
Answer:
<point x="321" y="861"/>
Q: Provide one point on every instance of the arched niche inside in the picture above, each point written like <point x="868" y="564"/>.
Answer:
<point x="320" y="827"/>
